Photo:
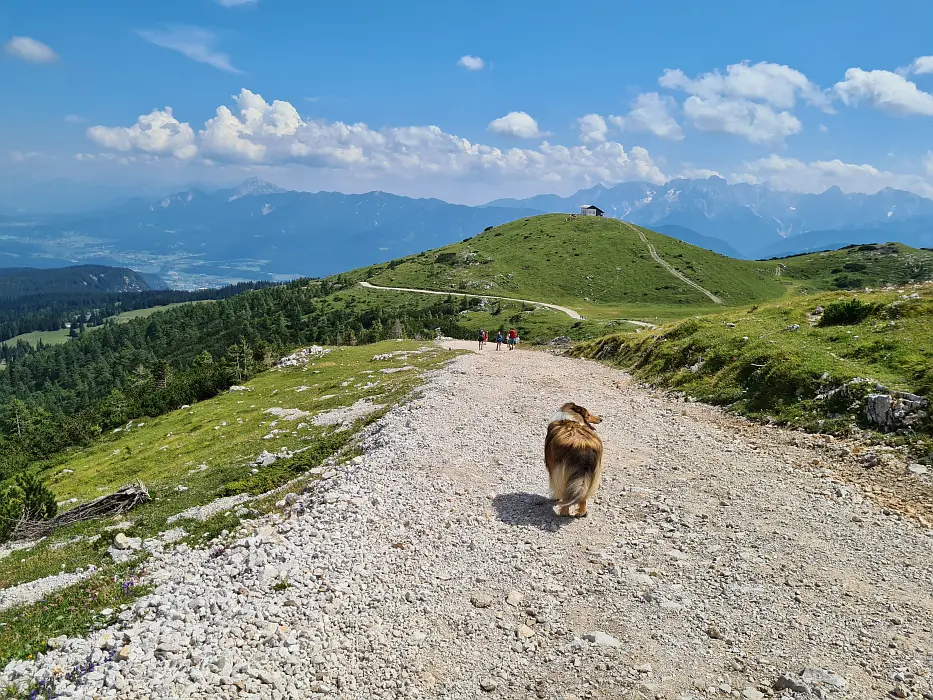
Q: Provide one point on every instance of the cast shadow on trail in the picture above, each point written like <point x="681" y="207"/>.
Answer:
<point x="528" y="510"/>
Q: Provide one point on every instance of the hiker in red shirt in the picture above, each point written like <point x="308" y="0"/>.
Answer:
<point x="513" y="337"/>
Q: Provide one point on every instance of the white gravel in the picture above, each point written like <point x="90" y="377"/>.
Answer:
<point x="213" y="508"/>
<point x="346" y="415"/>
<point x="717" y="561"/>
<point x="36" y="590"/>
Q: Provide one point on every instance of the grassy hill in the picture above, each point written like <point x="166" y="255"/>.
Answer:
<point x="785" y="361"/>
<point x="857" y="267"/>
<point x="595" y="265"/>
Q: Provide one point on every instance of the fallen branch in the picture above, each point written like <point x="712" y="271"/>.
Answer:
<point x="121" y="501"/>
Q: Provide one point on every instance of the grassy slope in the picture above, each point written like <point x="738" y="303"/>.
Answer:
<point x="167" y="451"/>
<point x="857" y="267"/>
<point x="598" y="265"/>
<point x="778" y="372"/>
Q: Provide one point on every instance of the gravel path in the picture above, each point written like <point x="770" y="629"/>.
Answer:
<point x="673" y="270"/>
<point x="719" y="559"/>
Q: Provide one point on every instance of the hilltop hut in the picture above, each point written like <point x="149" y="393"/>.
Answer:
<point x="591" y="210"/>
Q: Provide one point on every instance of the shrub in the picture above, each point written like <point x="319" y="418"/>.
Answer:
<point x="26" y="498"/>
<point x="847" y="282"/>
<point x="845" y="313"/>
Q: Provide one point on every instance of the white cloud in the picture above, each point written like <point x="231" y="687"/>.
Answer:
<point x="698" y="173"/>
<point x="651" y="113"/>
<point x="471" y="63"/>
<point x="74" y="119"/>
<point x="884" y="90"/>
<point x="236" y="3"/>
<point x="113" y="158"/>
<point x="194" y="42"/>
<point x="818" y="176"/>
<point x="25" y="156"/>
<point x="753" y="121"/>
<point x="28" y="49"/>
<point x="921" y="66"/>
<point x="257" y="133"/>
<point x="156" y="133"/>
<point x="518" y="124"/>
<point x="780" y="86"/>
<point x="823" y="128"/>
<point x="593" y="128"/>
<point x="928" y="163"/>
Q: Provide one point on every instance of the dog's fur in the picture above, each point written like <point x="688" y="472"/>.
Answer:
<point x="573" y="454"/>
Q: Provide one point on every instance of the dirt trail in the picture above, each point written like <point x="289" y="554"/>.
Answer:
<point x="670" y="268"/>
<point x="570" y="312"/>
<point x="718" y="559"/>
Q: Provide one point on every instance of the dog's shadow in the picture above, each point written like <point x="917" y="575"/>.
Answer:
<point x="528" y="510"/>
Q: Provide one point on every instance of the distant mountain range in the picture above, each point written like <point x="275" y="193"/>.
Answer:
<point x="261" y="231"/>
<point x="255" y="228"/>
<point x="756" y="220"/>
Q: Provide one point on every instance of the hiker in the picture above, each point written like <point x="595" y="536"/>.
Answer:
<point x="499" y="340"/>
<point x="479" y="337"/>
<point x="513" y="336"/>
<point x="485" y="338"/>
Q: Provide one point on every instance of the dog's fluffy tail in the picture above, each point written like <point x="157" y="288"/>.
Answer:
<point x="576" y="490"/>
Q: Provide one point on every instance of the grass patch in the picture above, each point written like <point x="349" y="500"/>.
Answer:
<point x="73" y="611"/>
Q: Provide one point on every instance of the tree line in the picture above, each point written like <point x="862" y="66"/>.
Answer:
<point x="67" y="395"/>
<point x="48" y="311"/>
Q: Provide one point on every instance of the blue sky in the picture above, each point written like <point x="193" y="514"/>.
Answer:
<point x="467" y="101"/>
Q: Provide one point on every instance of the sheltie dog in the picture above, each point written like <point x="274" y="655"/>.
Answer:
<point x="573" y="454"/>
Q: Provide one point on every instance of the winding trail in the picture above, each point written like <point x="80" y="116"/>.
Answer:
<point x="570" y="312"/>
<point x="670" y="268"/>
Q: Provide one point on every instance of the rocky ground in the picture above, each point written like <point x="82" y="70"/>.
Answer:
<point x="719" y="559"/>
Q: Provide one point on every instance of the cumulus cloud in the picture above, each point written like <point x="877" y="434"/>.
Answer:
<point x="593" y="128"/>
<point x="920" y="66"/>
<point x="518" y="124"/>
<point x="818" y="176"/>
<point x="753" y="121"/>
<point x="194" y="42"/>
<point x="651" y="113"/>
<point x="258" y="133"/>
<point x="751" y="101"/>
<point x="884" y="90"/>
<point x="156" y="133"/>
<point x="471" y="63"/>
<point x="780" y="86"/>
<point x="28" y="49"/>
